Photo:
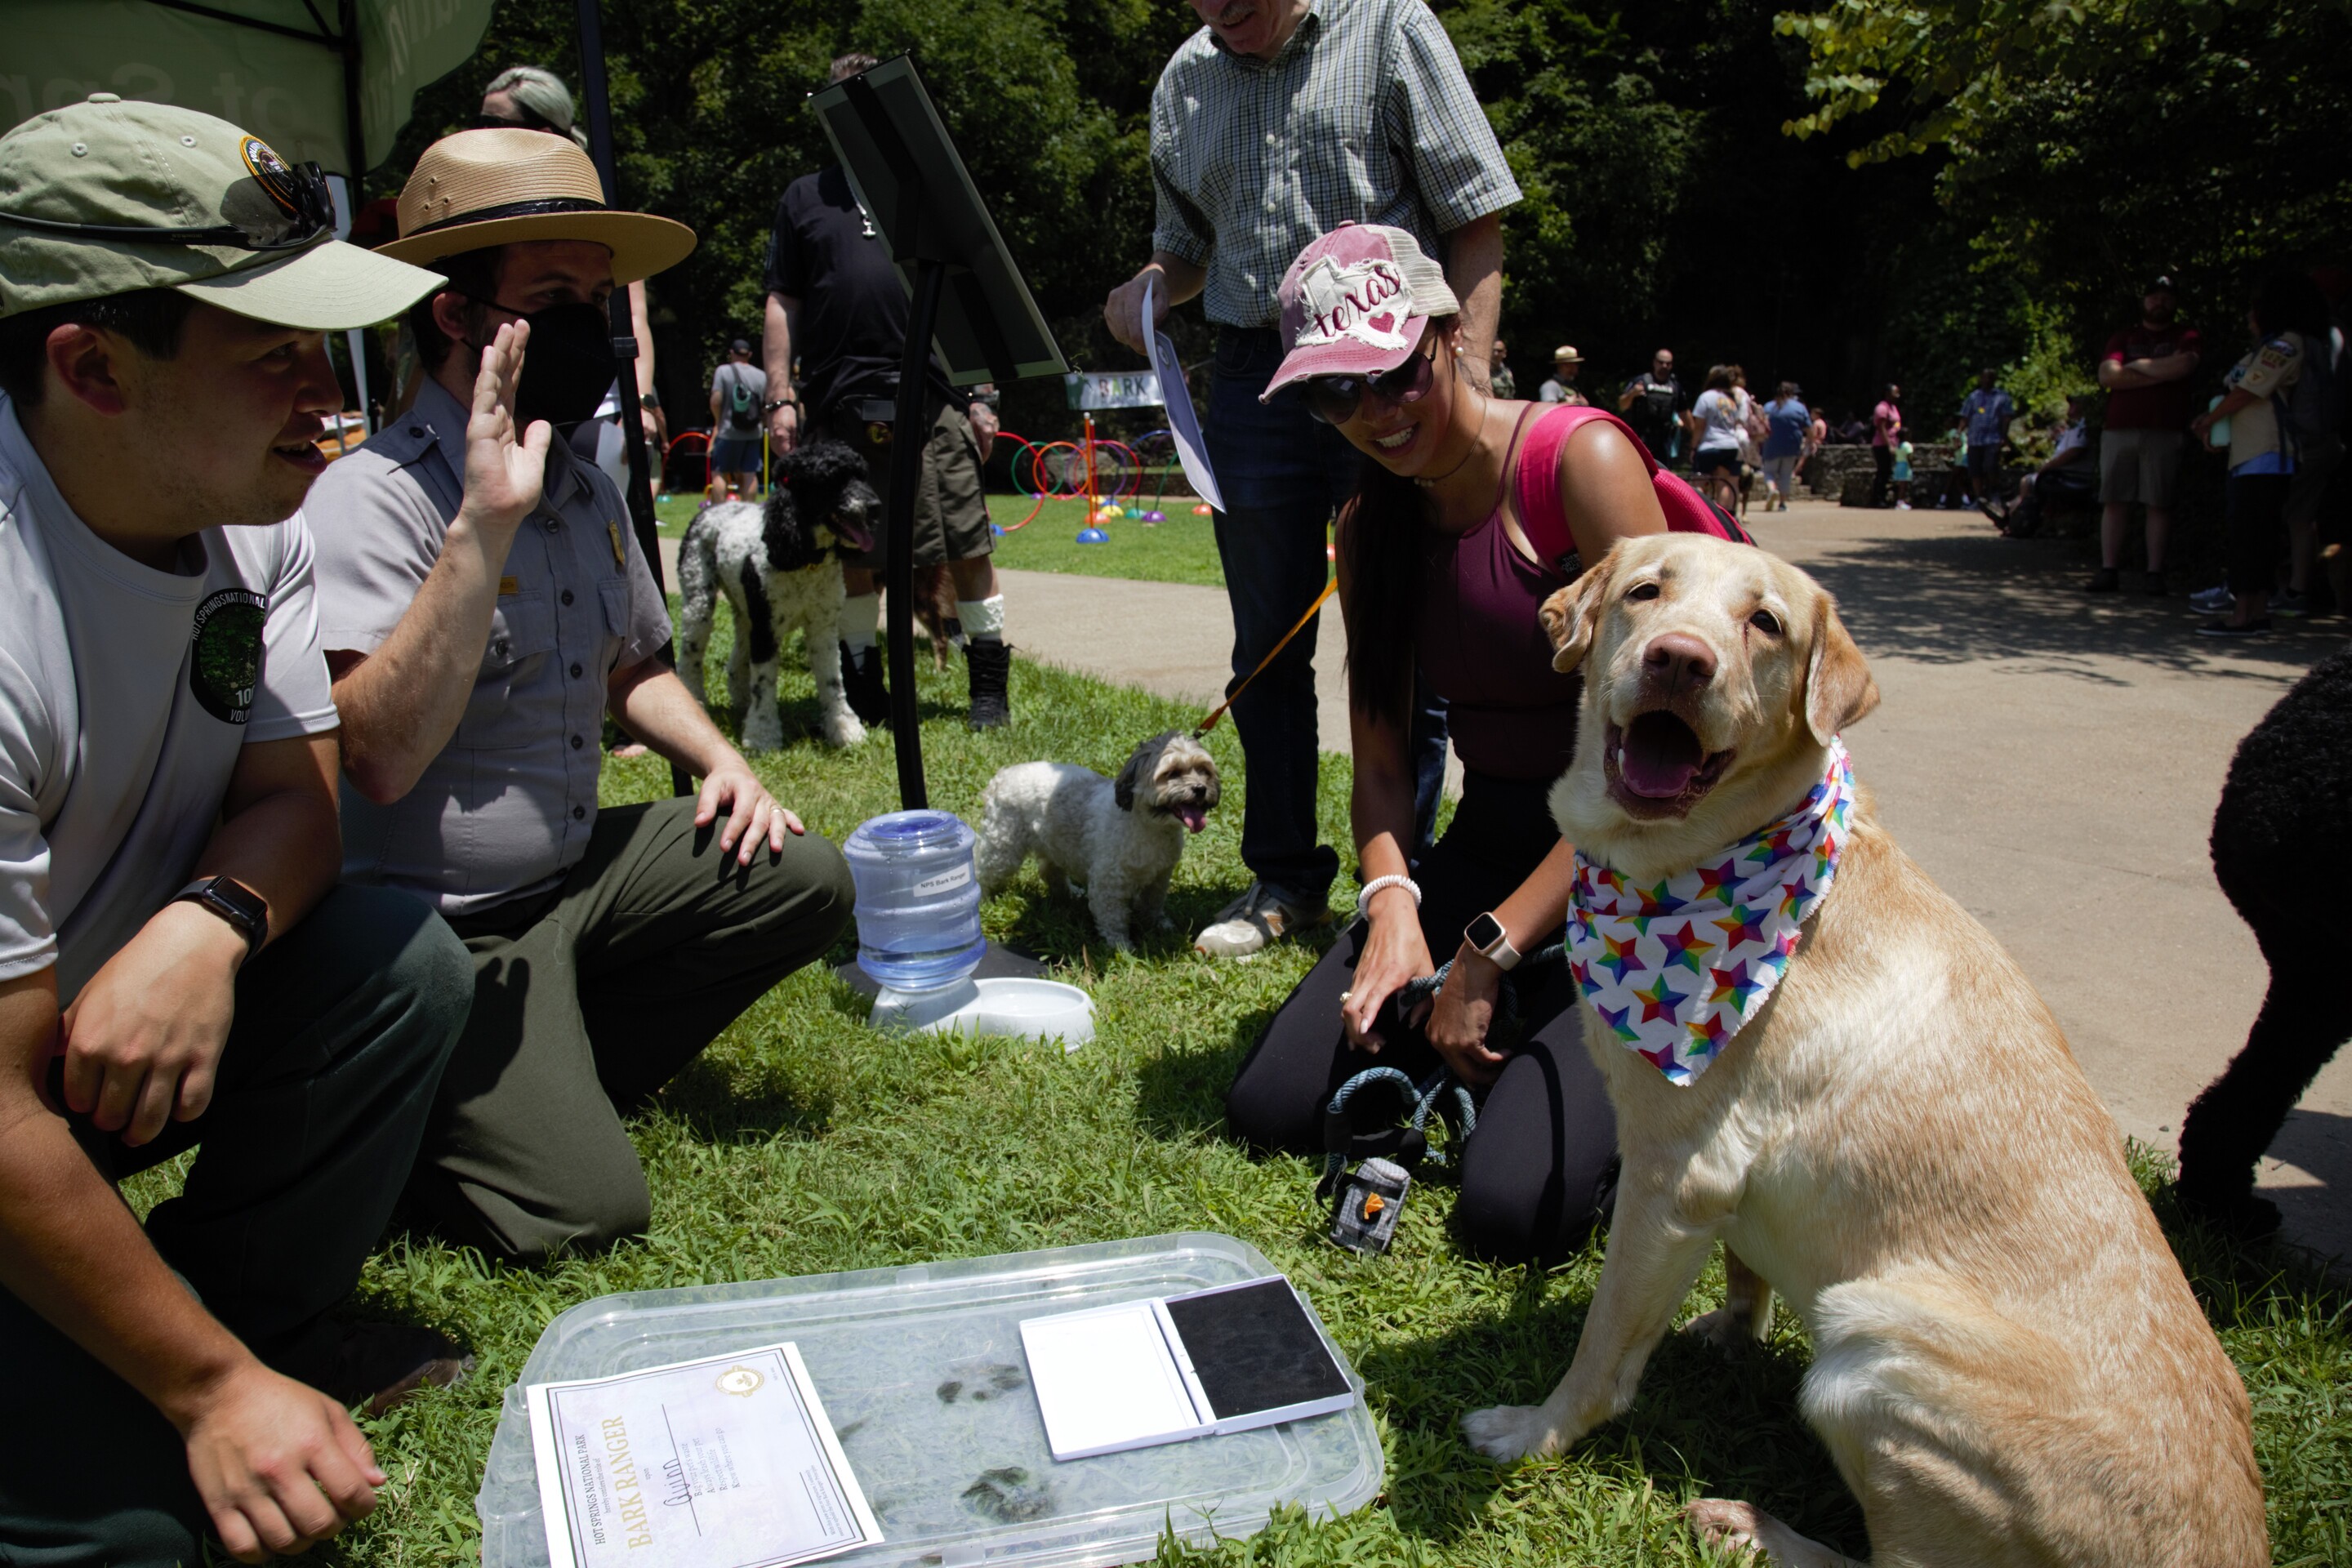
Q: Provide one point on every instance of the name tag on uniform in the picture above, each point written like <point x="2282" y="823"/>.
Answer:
<point x="507" y="588"/>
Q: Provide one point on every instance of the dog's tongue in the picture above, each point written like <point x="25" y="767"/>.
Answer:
<point x="1659" y="757"/>
<point x="1192" y="817"/>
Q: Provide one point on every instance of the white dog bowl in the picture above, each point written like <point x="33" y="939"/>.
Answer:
<point x="1020" y="1006"/>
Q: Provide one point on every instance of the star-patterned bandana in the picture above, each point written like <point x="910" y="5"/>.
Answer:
<point x="1675" y="968"/>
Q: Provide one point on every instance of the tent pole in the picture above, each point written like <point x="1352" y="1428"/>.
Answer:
<point x="625" y="331"/>
<point x="347" y="17"/>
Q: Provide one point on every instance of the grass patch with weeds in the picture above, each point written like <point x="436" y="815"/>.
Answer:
<point x="800" y="1143"/>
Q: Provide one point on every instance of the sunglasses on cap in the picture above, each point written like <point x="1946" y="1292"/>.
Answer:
<point x="300" y="190"/>
<point x="1334" y="399"/>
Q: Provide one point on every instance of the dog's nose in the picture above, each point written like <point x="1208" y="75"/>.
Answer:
<point x="1678" y="659"/>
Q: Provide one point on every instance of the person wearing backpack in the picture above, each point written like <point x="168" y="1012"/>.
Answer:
<point x="739" y="389"/>
<point x="1653" y="405"/>
<point x="1470" y="511"/>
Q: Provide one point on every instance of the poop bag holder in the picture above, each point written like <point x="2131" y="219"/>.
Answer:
<point x="1370" y="1200"/>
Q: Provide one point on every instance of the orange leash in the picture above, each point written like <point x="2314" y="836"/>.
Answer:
<point x="1233" y="696"/>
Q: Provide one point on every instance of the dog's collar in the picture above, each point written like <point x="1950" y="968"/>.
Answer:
<point x="1676" y="969"/>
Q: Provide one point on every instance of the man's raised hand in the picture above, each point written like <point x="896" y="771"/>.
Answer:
<point x="504" y="474"/>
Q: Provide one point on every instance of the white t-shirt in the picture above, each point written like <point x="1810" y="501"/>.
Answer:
<point x="126" y="695"/>
<point x="1719" y="418"/>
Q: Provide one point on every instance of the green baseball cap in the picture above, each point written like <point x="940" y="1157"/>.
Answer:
<point x="108" y="196"/>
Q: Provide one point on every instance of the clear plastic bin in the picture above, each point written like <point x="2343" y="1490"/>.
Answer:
<point x="922" y="1370"/>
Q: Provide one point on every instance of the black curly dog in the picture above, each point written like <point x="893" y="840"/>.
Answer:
<point x="778" y="566"/>
<point x="2281" y="845"/>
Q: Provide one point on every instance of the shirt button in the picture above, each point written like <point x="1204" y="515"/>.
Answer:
<point x="499" y="648"/>
<point x="577" y="812"/>
<point x="550" y="525"/>
<point x="577" y="742"/>
<point x="416" y="429"/>
<point x="567" y="595"/>
<point x="575" y="672"/>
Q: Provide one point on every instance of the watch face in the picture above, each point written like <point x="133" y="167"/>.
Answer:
<point x="1483" y="933"/>
<point x="238" y="899"/>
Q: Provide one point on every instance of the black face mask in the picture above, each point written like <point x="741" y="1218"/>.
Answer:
<point x="568" y="366"/>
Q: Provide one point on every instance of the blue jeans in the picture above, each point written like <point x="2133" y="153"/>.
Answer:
<point x="1284" y="474"/>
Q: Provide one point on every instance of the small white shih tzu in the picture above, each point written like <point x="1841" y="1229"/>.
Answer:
<point x="1121" y="839"/>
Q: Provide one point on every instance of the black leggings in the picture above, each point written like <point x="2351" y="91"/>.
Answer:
<point x="2257" y="530"/>
<point x="1538" y="1171"/>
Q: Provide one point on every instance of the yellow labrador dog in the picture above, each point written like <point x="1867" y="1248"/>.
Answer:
<point x="2009" y="1367"/>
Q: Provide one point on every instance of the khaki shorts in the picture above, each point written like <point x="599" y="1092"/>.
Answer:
<point x="951" y="512"/>
<point x="2141" y="465"/>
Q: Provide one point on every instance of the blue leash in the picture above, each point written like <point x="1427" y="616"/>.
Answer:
<point x="1428" y="1094"/>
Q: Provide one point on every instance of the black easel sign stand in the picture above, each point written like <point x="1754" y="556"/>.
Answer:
<point x="968" y="299"/>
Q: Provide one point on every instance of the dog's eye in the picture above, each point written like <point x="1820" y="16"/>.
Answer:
<point x="1643" y="591"/>
<point x="1765" y="621"/>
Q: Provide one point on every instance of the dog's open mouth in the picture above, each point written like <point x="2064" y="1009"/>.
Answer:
<point x="1194" y="818"/>
<point x="1657" y="767"/>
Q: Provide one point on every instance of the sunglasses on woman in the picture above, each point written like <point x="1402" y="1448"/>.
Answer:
<point x="1334" y="399"/>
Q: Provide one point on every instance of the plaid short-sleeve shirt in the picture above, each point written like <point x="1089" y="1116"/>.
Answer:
<point x="1365" y="115"/>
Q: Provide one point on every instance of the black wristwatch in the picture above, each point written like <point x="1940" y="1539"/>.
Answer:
<point x="770" y="406"/>
<point x="233" y="902"/>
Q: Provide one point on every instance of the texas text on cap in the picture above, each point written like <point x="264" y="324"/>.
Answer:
<point x="108" y="196"/>
<point x="1356" y="302"/>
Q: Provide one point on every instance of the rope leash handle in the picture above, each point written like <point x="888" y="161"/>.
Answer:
<point x="1233" y="696"/>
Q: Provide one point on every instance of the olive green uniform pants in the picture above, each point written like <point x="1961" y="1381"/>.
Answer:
<point x="590" y="998"/>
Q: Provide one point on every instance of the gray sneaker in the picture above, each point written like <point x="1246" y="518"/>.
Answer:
<point x="2213" y="601"/>
<point x="1260" y="916"/>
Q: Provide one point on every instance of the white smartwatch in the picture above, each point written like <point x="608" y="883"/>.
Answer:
<point x="1485" y="935"/>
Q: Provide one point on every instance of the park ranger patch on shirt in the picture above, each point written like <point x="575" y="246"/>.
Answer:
<point x="226" y="663"/>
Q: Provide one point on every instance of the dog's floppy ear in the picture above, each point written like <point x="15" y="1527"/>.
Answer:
<point x="1139" y="763"/>
<point x="1571" y="616"/>
<point x="1839" y="691"/>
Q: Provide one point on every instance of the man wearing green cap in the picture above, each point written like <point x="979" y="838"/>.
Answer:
<point x="177" y="966"/>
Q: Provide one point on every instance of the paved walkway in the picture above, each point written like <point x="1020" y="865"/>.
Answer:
<point x="2051" y="761"/>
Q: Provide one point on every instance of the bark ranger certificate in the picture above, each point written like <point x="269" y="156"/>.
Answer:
<point x="727" y="1462"/>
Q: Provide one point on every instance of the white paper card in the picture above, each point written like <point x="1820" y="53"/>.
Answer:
<point x="1191" y="451"/>
<point x="1106" y="1380"/>
<point x="726" y="1462"/>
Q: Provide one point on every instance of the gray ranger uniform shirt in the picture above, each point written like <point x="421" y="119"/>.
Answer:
<point x="504" y="810"/>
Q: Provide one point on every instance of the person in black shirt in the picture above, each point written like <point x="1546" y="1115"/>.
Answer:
<point x="836" y="299"/>
<point x="1651" y="403"/>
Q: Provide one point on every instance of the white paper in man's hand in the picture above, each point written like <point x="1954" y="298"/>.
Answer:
<point x="1191" y="450"/>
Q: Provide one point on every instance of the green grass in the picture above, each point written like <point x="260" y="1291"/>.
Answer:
<point x="800" y="1143"/>
<point x="1182" y="550"/>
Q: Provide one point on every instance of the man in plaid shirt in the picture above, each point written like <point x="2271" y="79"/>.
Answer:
<point x="1275" y="121"/>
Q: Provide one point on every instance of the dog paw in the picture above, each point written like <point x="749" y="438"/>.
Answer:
<point x="1508" y="1432"/>
<point x="844" y="731"/>
<point x="1726" y="1329"/>
<point x="763" y="738"/>
<point x="1726" y="1525"/>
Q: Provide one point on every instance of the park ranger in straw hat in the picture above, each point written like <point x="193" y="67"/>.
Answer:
<point x="484" y="606"/>
<point x="177" y="965"/>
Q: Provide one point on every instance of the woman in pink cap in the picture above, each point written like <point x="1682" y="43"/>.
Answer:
<point x="1437" y="570"/>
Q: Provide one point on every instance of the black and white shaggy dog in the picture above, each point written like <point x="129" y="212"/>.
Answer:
<point x="2281" y="849"/>
<point x="1120" y="838"/>
<point x="779" y="564"/>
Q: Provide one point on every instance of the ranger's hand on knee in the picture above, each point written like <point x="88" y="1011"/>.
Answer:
<point x="143" y="1042"/>
<point x="753" y="814"/>
<point x="279" y="1466"/>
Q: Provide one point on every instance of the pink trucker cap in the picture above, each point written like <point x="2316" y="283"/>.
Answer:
<point x="1356" y="302"/>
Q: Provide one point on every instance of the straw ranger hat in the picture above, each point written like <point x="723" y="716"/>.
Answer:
<point x="480" y="188"/>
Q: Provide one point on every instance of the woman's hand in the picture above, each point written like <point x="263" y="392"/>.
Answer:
<point x="1464" y="1011"/>
<point x="1393" y="952"/>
